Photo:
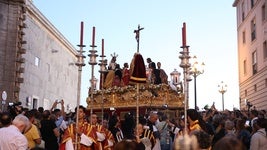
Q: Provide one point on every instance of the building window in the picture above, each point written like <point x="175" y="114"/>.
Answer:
<point x="243" y="11"/>
<point x="246" y="93"/>
<point x="265" y="50"/>
<point x="245" y="67"/>
<point x="244" y="37"/>
<point x="265" y="82"/>
<point x="34" y="103"/>
<point x="37" y="61"/>
<point x="252" y="3"/>
<point x="255" y="87"/>
<point x="263" y="17"/>
<point x="253" y="29"/>
<point x="254" y="62"/>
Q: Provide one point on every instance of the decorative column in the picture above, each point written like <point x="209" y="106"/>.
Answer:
<point x="80" y="63"/>
<point x="103" y="70"/>
<point x="185" y="65"/>
<point x="92" y="62"/>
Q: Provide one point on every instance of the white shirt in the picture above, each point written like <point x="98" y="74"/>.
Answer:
<point x="12" y="139"/>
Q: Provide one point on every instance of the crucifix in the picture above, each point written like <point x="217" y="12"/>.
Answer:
<point x="137" y="35"/>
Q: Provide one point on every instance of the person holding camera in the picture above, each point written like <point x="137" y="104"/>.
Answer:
<point x="49" y="131"/>
<point x="59" y="115"/>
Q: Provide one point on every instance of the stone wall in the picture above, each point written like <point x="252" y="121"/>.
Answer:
<point x="11" y="41"/>
<point x="36" y="60"/>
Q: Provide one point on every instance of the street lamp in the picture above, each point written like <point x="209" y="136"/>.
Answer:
<point x="222" y="89"/>
<point x="196" y="70"/>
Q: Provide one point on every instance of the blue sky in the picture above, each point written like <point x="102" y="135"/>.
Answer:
<point x="211" y="35"/>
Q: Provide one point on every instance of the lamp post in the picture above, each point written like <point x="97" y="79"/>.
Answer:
<point x="196" y="70"/>
<point x="222" y="89"/>
<point x="92" y="62"/>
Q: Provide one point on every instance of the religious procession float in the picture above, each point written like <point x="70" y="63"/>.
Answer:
<point x="124" y="99"/>
<point x="140" y="93"/>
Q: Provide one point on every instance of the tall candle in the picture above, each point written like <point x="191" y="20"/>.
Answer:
<point x="184" y="34"/>
<point x="81" y="38"/>
<point x="102" y="47"/>
<point x="93" y="37"/>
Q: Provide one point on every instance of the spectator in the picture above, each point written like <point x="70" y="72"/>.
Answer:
<point x="229" y="128"/>
<point x="144" y="137"/>
<point x="129" y="145"/>
<point x="5" y="119"/>
<point x="128" y="125"/>
<point x="203" y="139"/>
<point x="195" y="121"/>
<point x="41" y="109"/>
<point x="165" y="136"/>
<point x="11" y="137"/>
<point x="59" y="117"/>
<point x="105" y="123"/>
<point x="242" y="133"/>
<point x="114" y="123"/>
<point x="49" y="131"/>
<point x="229" y="143"/>
<point x="151" y="123"/>
<point x="32" y="135"/>
<point x="259" y="138"/>
<point x="218" y="123"/>
<point x="253" y="116"/>
<point x="186" y="142"/>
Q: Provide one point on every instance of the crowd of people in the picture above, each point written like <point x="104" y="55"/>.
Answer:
<point x="55" y="130"/>
<point x="24" y="129"/>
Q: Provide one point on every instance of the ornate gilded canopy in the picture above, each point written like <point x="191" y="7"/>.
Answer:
<point x="151" y="95"/>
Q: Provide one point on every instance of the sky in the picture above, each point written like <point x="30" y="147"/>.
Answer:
<point x="211" y="34"/>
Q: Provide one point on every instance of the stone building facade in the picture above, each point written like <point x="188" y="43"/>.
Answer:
<point x="37" y="63"/>
<point x="252" y="52"/>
